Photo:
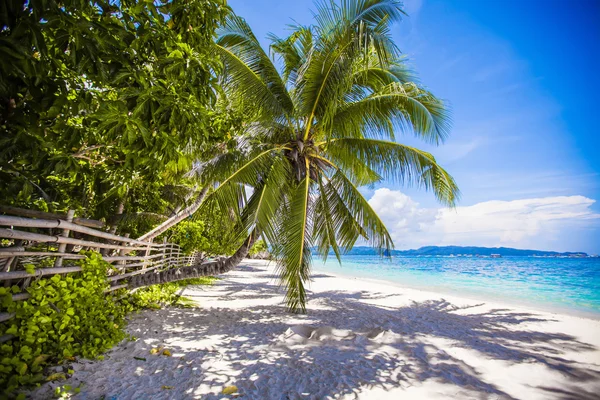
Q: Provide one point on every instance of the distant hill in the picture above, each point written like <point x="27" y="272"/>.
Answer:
<point x="464" y="250"/>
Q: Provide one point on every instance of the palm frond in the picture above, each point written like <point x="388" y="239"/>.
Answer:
<point x="250" y="72"/>
<point x="405" y="107"/>
<point x="269" y="133"/>
<point x="265" y="202"/>
<point x="397" y="163"/>
<point x="358" y="171"/>
<point x="295" y="243"/>
<point x="371" y="74"/>
<point x="373" y="229"/>
<point x="293" y="50"/>
<point x="230" y="194"/>
<point x="345" y="32"/>
<point x="368" y="20"/>
<point x="218" y="168"/>
<point x="324" y="230"/>
<point x="325" y="77"/>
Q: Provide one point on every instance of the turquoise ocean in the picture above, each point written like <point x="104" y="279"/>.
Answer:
<point x="570" y="285"/>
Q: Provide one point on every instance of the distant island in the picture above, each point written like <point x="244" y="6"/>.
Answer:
<point x="467" y="251"/>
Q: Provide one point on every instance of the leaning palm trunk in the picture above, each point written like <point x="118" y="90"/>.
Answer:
<point x="174" y="220"/>
<point x="195" y="271"/>
<point x="241" y="253"/>
<point x="177" y="209"/>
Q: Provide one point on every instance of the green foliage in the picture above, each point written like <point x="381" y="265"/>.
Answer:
<point x="212" y="232"/>
<point x="221" y="238"/>
<point x="103" y="102"/>
<point x="70" y="316"/>
<point x="66" y="316"/>
<point x="189" y="236"/>
<point x="258" y="247"/>
<point x="66" y="391"/>
<point x="165" y="294"/>
<point x="319" y="129"/>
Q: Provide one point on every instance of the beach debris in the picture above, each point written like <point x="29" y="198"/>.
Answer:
<point x="302" y="334"/>
<point x="165" y="387"/>
<point x="166" y="353"/>
<point x="230" y="389"/>
<point x="302" y="330"/>
<point x="157" y="350"/>
<point x="59" y="376"/>
<point x="140" y="358"/>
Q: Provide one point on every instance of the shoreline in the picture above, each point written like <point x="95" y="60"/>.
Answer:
<point x="495" y="299"/>
<point x="359" y="340"/>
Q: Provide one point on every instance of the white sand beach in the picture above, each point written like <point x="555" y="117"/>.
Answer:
<point x="359" y="339"/>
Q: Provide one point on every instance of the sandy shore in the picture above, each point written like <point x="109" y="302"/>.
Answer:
<point x="360" y="339"/>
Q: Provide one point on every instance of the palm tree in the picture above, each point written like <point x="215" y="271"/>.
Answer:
<point x="319" y="129"/>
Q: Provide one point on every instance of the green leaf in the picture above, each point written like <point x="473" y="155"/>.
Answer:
<point x="13" y="330"/>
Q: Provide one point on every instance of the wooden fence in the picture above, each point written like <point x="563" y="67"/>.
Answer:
<point x="55" y="241"/>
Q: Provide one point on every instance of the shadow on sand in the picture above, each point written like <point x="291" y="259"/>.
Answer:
<point x="266" y="367"/>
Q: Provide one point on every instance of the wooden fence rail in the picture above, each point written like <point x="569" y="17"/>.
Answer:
<point x="35" y="236"/>
<point x="40" y="214"/>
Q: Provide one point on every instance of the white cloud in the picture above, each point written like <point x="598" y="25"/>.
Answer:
<point x="401" y="213"/>
<point x="543" y="223"/>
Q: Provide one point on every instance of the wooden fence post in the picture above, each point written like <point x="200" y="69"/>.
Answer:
<point x="146" y="254"/>
<point x="113" y="228"/>
<point x="165" y="252"/>
<point x="9" y="261"/>
<point x="122" y="251"/>
<point x="65" y="233"/>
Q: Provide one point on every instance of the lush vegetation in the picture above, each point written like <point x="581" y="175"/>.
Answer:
<point x="66" y="316"/>
<point x="106" y="104"/>
<point x="258" y="248"/>
<point x="70" y="316"/>
<point x="320" y="128"/>
<point x="211" y="232"/>
<point x="130" y="111"/>
<point x="166" y="294"/>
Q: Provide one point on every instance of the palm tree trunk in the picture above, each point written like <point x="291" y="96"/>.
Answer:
<point x="180" y="206"/>
<point x="195" y="271"/>
<point x="174" y="220"/>
<point x="241" y="253"/>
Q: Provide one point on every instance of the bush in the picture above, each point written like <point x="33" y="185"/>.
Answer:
<point x="259" y="247"/>
<point x="66" y="316"/>
<point x="165" y="294"/>
<point x="189" y="235"/>
<point x="70" y="316"/>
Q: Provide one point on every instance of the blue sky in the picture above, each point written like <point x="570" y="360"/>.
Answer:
<point x="521" y="79"/>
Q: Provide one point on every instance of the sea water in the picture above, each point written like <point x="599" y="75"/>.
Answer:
<point x="556" y="284"/>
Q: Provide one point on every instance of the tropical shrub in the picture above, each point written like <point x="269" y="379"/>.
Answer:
<point x="70" y="316"/>
<point x="105" y="102"/>
<point x="66" y="316"/>
<point x="189" y="236"/>
<point x="259" y="247"/>
<point x="165" y="294"/>
<point x="212" y="234"/>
